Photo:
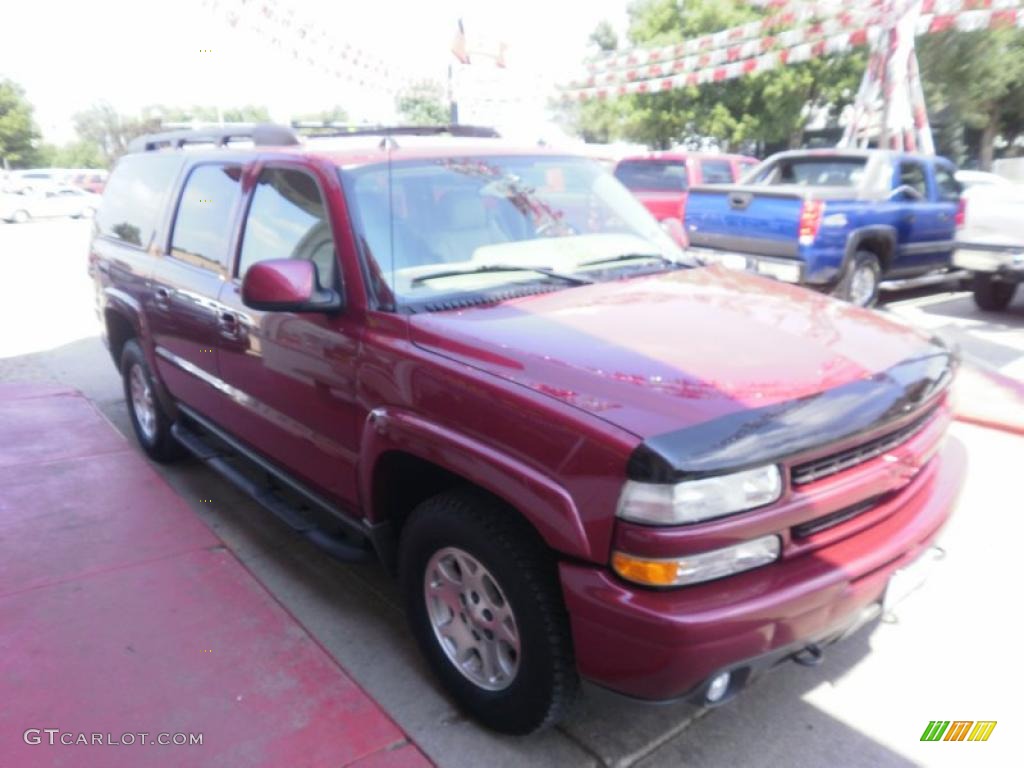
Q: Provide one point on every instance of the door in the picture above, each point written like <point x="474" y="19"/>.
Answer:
<point x="184" y="312"/>
<point x="292" y="375"/>
<point x="923" y="223"/>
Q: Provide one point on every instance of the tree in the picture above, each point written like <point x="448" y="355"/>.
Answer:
<point x="771" y="107"/>
<point x="423" y="104"/>
<point x="336" y="114"/>
<point x="77" y="154"/>
<point x="18" y="129"/>
<point x="604" y="36"/>
<point x="110" y="132"/>
<point x="976" y="79"/>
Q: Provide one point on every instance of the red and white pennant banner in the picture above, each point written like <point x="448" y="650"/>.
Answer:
<point x="805" y="44"/>
<point x="307" y="40"/>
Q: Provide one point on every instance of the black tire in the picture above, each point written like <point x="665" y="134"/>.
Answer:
<point x="991" y="295"/>
<point x="545" y="684"/>
<point x="863" y="266"/>
<point x="157" y="441"/>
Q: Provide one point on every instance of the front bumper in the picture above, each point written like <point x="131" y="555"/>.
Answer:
<point x="658" y="645"/>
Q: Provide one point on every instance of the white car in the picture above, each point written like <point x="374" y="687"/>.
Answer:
<point x="47" y="202"/>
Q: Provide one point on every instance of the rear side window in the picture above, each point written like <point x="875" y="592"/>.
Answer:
<point x="814" y="171"/>
<point x="949" y="188"/>
<point x="288" y="220"/>
<point x="912" y="175"/>
<point x="715" y="172"/>
<point x="134" y="197"/>
<point x="659" y="175"/>
<point x="202" y="227"/>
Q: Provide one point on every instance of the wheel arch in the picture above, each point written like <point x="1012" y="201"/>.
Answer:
<point x="404" y="459"/>
<point x="879" y="240"/>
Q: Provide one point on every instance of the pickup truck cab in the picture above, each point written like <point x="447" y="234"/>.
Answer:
<point x="660" y="180"/>
<point x="488" y="367"/>
<point x="837" y="220"/>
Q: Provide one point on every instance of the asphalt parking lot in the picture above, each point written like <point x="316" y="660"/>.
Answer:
<point x="948" y="652"/>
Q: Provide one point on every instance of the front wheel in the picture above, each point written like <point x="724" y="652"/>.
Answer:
<point x="860" y="283"/>
<point x="20" y="217"/>
<point x="991" y="295"/>
<point x="485" y="606"/>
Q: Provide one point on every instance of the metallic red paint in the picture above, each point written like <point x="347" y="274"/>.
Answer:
<point x="279" y="281"/>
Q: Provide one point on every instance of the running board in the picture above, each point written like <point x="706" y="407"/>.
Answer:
<point x="338" y="547"/>
<point x="932" y="278"/>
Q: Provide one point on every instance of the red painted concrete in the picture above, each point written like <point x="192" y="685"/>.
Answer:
<point x="120" y="612"/>
<point x="989" y="399"/>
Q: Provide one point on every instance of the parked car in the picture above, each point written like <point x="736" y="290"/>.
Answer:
<point x="91" y="181"/>
<point x="489" y="367"/>
<point x="837" y="220"/>
<point x="47" y="202"/>
<point x="660" y="180"/>
<point x="991" y="243"/>
<point x="969" y="179"/>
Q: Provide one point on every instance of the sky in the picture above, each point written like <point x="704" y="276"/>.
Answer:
<point x="69" y="55"/>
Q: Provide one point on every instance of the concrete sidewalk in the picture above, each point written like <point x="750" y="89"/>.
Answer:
<point x="122" y="613"/>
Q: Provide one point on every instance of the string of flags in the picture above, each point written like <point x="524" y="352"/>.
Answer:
<point x="735" y="52"/>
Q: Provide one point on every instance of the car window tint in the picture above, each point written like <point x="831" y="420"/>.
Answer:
<point x="202" y="227"/>
<point x="814" y="171"/>
<point x="715" y="172"/>
<point x="912" y="175"/>
<point x="949" y="188"/>
<point x="288" y="220"/>
<point x="660" y="175"/>
<point x="134" y="197"/>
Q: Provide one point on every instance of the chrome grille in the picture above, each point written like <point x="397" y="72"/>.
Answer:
<point x="816" y="469"/>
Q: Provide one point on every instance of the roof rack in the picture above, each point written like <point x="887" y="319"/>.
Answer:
<point x="261" y="134"/>
<point x="329" y="130"/>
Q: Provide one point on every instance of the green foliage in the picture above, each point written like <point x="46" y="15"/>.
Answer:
<point x="336" y="114"/>
<point x="77" y="154"/>
<point x="423" y="104"/>
<point x="604" y="37"/>
<point x="110" y="132"/>
<point x="18" y="129"/>
<point x="771" y="107"/>
<point x="976" y="80"/>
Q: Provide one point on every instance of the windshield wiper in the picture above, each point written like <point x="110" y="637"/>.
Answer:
<point x="485" y="268"/>
<point x="630" y="257"/>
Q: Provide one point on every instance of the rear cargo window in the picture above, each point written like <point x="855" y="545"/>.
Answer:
<point x="715" y="172"/>
<point x="134" y="197"/>
<point x="660" y="175"/>
<point x="815" y="172"/>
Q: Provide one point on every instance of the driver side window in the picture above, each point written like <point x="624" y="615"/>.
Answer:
<point x="912" y="175"/>
<point x="288" y="220"/>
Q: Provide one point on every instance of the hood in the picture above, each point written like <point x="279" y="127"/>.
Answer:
<point x="666" y="352"/>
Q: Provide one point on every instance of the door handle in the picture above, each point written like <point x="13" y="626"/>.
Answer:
<point x="228" y="322"/>
<point x="162" y="294"/>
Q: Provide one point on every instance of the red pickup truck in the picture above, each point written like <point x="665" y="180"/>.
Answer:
<point x="490" y="369"/>
<point x="661" y="180"/>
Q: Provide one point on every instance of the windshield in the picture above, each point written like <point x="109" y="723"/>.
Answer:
<point x="442" y="226"/>
<point x="660" y="175"/>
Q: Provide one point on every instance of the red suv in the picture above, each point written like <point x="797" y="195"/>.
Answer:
<point x="489" y="367"/>
<point x="661" y="180"/>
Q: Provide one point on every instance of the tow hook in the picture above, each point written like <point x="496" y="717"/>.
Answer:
<point x="809" y="656"/>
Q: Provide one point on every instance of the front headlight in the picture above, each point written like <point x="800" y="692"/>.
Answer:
<point x="694" y="500"/>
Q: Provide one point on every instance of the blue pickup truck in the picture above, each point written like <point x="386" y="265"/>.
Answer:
<point x="837" y="220"/>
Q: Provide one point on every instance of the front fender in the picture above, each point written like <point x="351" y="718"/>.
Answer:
<point x="542" y="501"/>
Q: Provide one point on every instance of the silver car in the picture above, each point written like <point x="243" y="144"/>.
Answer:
<point x="47" y="202"/>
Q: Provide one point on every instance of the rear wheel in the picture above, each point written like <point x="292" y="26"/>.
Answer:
<point x="20" y="217"/>
<point x="485" y="605"/>
<point x="992" y="295"/>
<point x="860" y="283"/>
<point x="151" y="424"/>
